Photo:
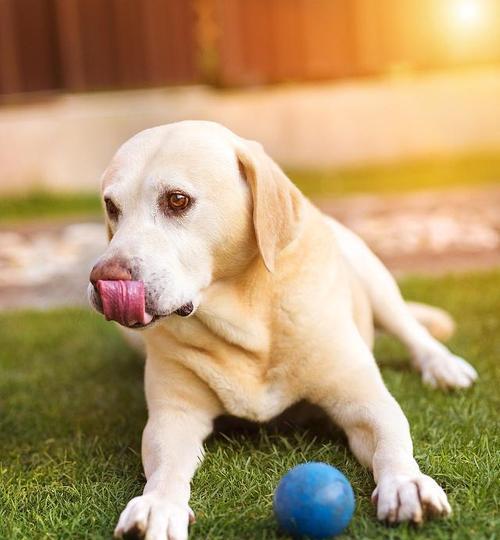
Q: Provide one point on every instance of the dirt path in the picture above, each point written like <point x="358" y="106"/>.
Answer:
<point x="47" y="264"/>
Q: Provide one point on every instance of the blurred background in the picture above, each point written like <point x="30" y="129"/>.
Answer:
<point x="385" y="112"/>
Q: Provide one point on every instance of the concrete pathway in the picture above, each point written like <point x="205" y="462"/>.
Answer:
<point x="65" y="142"/>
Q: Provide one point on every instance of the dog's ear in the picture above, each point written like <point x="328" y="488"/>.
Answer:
<point x="276" y="201"/>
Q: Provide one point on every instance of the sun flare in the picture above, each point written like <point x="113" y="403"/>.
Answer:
<point x="468" y="12"/>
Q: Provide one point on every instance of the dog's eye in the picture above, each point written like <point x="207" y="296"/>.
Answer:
<point x="177" y="200"/>
<point x="112" y="210"/>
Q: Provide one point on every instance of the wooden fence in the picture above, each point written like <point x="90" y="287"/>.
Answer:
<point x="262" y="41"/>
<point x="92" y="44"/>
<point x="80" y="45"/>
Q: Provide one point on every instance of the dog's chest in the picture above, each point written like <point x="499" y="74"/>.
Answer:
<point x="245" y="389"/>
<point x="249" y="397"/>
<point x="241" y="378"/>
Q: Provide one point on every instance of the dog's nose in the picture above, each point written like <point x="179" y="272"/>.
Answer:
<point x="110" y="270"/>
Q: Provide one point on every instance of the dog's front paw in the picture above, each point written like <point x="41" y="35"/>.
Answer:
<point x="406" y="498"/>
<point x="442" y="369"/>
<point x="152" y="517"/>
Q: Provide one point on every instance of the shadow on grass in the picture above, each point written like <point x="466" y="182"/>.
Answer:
<point x="303" y="418"/>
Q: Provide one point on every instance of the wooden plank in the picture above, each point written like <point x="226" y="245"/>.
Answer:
<point x="245" y="41"/>
<point x="205" y="39"/>
<point x="10" y="73"/>
<point x="278" y="40"/>
<point x="183" y="40"/>
<point x="288" y="40"/>
<point x="156" y="40"/>
<point x="329" y="40"/>
<point x="71" y="52"/>
<point x="35" y="30"/>
<point x="29" y="56"/>
<point x="97" y="31"/>
<point x="228" y="42"/>
<point x="258" y="40"/>
<point x="170" y="41"/>
<point x="130" y="50"/>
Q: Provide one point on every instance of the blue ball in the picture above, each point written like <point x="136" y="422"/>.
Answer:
<point x="314" y="500"/>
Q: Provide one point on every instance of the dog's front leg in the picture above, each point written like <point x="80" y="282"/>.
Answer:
<point x="356" y="398"/>
<point x="181" y="412"/>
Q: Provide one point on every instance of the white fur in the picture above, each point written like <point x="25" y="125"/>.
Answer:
<point x="258" y="341"/>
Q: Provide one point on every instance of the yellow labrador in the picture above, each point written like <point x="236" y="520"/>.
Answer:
<point x="254" y="300"/>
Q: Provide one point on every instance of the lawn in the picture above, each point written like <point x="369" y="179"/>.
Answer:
<point x="41" y="205"/>
<point x="72" y="412"/>
<point x="471" y="169"/>
<point x="440" y="172"/>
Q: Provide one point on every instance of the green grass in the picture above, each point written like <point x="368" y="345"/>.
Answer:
<point x="72" y="412"/>
<point x="440" y="172"/>
<point x="432" y="173"/>
<point x="43" y="204"/>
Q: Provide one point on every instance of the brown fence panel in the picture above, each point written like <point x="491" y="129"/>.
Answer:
<point x="87" y="42"/>
<point x="265" y="41"/>
<point x="262" y="41"/>
<point x="28" y="49"/>
<point x="329" y="38"/>
<point x="130" y="44"/>
<point x="83" y="45"/>
<point x="171" y="49"/>
<point x="126" y="43"/>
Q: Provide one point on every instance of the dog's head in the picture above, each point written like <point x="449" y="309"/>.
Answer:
<point x="187" y="204"/>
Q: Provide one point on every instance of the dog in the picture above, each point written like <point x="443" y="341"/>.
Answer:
<point x="254" y="301"/>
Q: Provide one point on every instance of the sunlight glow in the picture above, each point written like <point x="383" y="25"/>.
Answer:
<point x="468" y="12"/>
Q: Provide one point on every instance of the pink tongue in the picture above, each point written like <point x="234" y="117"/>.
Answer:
<point x="123" y="301"/>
